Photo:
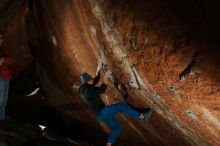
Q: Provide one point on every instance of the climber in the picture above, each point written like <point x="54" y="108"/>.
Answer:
<point x="5" y="76"/>
<point x="91" y="92"/>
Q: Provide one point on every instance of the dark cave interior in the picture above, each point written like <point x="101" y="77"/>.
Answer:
<point x="164" y="52"/>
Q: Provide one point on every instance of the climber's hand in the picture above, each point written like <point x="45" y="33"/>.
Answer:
<point x="99" y="67"/>
<point x="108" y="74"/>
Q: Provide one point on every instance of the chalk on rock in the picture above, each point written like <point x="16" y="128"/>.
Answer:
<point x="191" y="114"/>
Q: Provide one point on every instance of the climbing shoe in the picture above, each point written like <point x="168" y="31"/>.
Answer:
<point x="147" y="113"/>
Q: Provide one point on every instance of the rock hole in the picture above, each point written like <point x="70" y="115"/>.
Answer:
<point x="187" y="70"/>
<point x="133" y="43"/>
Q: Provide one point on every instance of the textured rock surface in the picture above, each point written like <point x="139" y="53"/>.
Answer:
<point x="164" y="52"/>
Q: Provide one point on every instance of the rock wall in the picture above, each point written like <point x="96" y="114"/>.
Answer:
<point x="162" y="54"/>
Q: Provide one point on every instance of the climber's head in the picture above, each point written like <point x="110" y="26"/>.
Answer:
<point x="86" y="78"/>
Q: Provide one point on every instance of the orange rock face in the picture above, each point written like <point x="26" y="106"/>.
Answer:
<point x="164" y="53"/>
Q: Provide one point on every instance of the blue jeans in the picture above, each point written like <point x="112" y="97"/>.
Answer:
<point x="4" y="86"/>
<point x="108" y="114"/>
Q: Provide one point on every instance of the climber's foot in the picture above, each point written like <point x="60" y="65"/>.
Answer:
<point x="145" y="115"/>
